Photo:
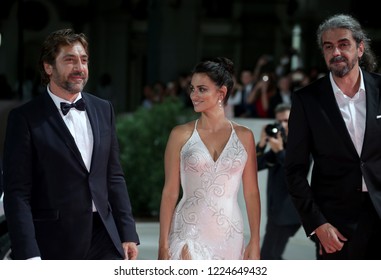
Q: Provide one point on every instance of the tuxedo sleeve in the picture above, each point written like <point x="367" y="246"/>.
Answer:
<point x="118" y="193"/>
<point x="18" y="166"/>
<point x="297" y="165"/>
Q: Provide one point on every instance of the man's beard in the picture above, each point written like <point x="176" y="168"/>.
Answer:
<point x="69" y="86"/>
<point x="341" y="71"/>
<point x="73" y="87"/>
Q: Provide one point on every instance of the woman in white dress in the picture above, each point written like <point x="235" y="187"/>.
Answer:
<point x="209" y="158"/>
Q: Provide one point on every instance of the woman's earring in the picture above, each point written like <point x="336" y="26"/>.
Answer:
<point x="220" y="103"/>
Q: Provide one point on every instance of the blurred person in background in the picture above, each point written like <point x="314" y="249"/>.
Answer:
<point x="282" y="218"/>
<point x="243" y="109"/>
<point x="282" y="94"/>
<point x="260" y="95"/>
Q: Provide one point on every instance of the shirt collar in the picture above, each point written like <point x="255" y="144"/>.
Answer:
<point x="337" y="90"/>
<point x="57" y="100"/>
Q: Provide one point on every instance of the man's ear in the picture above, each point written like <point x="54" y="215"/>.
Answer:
<point x="48" y="68"/>
<point x="361" y="49"/>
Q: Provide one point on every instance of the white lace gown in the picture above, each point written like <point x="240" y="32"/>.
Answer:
<point x="208" y="219"/>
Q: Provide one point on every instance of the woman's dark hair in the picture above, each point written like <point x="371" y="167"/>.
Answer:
<point x="368" y="61"/>
<point x="220" y="70"/>
<point x="51" y="47"/>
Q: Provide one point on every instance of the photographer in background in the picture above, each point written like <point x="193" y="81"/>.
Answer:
<point x="282" y="218"/>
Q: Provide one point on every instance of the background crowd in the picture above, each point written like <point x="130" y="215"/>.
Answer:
<point x="257" y="89"/>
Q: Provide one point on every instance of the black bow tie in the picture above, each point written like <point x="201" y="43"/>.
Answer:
<point x="79" y="105"/>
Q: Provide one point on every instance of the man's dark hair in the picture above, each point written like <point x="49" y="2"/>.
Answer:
<point x="51" y="47"/>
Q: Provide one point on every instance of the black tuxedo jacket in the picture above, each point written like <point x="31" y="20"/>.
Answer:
<point x="316" y="126"/>
<point x="48" y="190"/>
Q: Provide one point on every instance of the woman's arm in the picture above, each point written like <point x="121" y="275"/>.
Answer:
<point x="251" y="194"/>
<point x="171" y="188"/>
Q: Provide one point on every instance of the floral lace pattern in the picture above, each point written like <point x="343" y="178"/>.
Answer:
<point x="208" y="219"/>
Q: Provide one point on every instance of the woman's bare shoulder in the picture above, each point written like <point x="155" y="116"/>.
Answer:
<point x="184" y="128"/>
<point x="239" y="128"/>
<point x="244" y="133"/>
<point x="182" y="132"/>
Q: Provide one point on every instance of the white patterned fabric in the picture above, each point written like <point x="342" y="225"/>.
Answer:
<point x="207" y="222"/>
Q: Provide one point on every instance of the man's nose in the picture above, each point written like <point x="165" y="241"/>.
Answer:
<point x="336" y="51"/>
<point x="79" y="65"/>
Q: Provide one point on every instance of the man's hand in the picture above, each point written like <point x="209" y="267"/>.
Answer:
<point x="130" y="250"/>
<point x="330" y="238"/>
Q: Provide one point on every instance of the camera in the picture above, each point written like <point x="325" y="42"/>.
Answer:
<point x="273" y="129"/>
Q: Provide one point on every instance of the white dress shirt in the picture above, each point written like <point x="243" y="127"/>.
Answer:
<point x="353" y="111"/>
<point x="79" y="126"/>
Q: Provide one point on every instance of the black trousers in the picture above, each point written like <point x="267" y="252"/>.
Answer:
<point x="102" y="247"/>
<point x="365" y="242"/>
<point x="276" y="239"/>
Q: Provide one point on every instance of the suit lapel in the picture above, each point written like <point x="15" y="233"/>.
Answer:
<point x="373" y="109"/>
<point x="332" y="111"/>
<point x="54" y="118"/>
<point x="94" y="122"/>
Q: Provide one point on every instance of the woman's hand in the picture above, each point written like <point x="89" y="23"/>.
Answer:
<point x="164" y="253"/>
<point x="252" y="252"/>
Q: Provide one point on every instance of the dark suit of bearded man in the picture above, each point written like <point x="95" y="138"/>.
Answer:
<point x="335" y="194"/>
<point x="50" y="195"/>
